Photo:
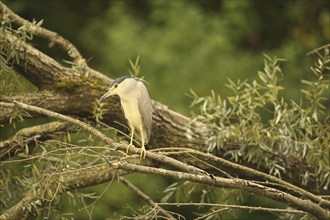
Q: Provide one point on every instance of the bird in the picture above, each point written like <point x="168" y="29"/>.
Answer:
<point x="136" y="106"/>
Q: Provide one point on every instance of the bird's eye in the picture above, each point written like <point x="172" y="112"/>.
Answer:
<point x="116" y="85"/>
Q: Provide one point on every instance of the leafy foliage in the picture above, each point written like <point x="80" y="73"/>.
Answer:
<point x="23" y="33"/>
<point x="12" y="82"/>
<point x="266" y="124"/>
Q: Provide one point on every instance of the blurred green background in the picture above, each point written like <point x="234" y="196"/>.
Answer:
<point x="183" y="45"/>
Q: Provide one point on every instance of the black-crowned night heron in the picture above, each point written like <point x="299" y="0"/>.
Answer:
<point x="136" y="106"/>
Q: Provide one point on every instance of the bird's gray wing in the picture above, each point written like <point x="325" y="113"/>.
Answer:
<point x="145" y="108"/>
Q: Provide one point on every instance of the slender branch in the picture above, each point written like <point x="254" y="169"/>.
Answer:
<point x="304" y="205"/>
<point x="250" y="208"/>
<point x="52" y="114"/>
<point x="318" y="49"/>
<point x="145" y="197"/>
<point x="83" y="177"/>
<point x="253" y="173"/>
<point x="29" y="136"/>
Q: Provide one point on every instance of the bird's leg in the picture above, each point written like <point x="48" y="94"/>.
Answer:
<point x="131" y="141"/>
<point x="143" y="149"/>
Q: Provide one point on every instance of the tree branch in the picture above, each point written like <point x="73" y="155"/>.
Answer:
<point x="79" y="178"/>
<point x="304" y="205"/>
<point x="243" y="171"/>
<point x="145" y="197"/>
<point x="29" y="136"/>
<point x="250" y="208"/>
<point x="55" y="39"/>
<point x="57" y="101"/>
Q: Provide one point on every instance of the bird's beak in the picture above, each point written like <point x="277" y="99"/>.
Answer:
<point x="107" y="94"/>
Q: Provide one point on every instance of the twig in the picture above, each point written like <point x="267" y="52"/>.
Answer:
<point x="31" y="135"/>
<point x="145" y="197"/>
<point x="318" y="49"/>
<point x="251" y="208"/>
<point x="211" y="213"/>
<point x="52" y="114"/>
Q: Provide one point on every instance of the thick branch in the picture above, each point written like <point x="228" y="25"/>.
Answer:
<point x="65" y="103"/>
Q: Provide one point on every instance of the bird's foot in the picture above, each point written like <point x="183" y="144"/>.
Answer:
<point x="129" y="146"/>
<point x="143" y="153"/>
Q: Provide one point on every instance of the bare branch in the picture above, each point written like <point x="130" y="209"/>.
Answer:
<point x="145" y="197"/>
<point x="247" y="172"/>
<point x="59" y="102"/>
<point x="318" y="49"/>
<point x="29" y="136"/>
<point x="250" y="208"/>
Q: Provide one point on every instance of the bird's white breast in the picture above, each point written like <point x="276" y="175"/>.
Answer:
<point x="131" y="110"/>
